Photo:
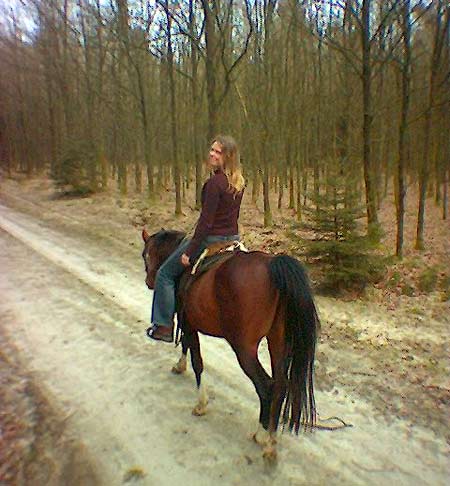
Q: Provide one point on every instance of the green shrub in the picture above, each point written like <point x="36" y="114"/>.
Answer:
<point x="444" y="287"/>
<point x="76" y="174"/>
<point x="375" y="233"/>
<point x="444" y="283"/>
<point x="428" y="280"/>
<point x="407" y="290"/>
<point x="412" y="263"/>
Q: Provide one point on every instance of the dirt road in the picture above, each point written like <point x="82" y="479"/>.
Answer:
<point x="74" y="307"/>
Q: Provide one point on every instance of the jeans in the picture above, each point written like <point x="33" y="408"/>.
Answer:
<point x="164" y="303"/>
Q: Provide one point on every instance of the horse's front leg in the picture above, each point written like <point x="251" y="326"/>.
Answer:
<point x="197" y="365"/>
<point x="180" y="367"/>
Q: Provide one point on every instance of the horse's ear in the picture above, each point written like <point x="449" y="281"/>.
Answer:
<point x="145" y="235"/>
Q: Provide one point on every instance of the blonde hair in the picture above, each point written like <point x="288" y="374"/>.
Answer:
<point x="232" y="165"/>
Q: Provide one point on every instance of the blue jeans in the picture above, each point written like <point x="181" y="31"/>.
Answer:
<point x="163" y="308"/>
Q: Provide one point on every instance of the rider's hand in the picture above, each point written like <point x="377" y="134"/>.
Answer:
<point x="185" y="260"/>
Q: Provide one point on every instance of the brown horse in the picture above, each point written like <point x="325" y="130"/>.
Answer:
<point x="248" y="297"/>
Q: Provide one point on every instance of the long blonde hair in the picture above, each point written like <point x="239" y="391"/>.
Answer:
<point x="232" y="165"/>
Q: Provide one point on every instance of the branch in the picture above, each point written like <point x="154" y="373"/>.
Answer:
<point x="229" y="71"/>
<point x="382" y="22"/>
<point x="340" y="48"/>
<point x="428" y="110"/>
<point x="394" y="46"/>
<point x="195" y="40"/>
<point x="350" y="9"/>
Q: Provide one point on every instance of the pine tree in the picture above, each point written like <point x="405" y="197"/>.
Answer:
<point x="77" y="172"/>
<point x="338" y="245"/>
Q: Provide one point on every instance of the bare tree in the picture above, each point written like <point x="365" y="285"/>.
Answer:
<point x="173" y="108"/>
<point x="442" y="23"/>
<point x="402" y="140"/>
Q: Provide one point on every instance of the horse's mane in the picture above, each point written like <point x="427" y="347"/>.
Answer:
<point x="164" y="237"/>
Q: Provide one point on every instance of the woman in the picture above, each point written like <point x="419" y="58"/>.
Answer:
<point x="221" y="201"/>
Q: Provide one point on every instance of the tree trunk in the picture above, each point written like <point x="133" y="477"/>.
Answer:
<point x="268" y="18"/>
<point x="195" y="106"/>
<point x="266" y="192"/>
<point x="371" y="206"/>
<point x="173" y="114"/>
<point x="402" y="153"/>
<point x="280" y="191"/>
<point x="445" y="195"/>
<point x="122" y="68"/>
<point x="211" y="66"/>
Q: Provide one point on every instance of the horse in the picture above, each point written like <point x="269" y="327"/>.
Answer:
<point x="244" y="299"/>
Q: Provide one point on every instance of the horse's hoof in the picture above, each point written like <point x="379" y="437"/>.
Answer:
<point x="270" y="456"/>
<point x="261" y="437"/>
<point x="178" y="370"/>
<point x="199" y="410"/>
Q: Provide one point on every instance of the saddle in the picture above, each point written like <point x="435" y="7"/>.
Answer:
<point x="216" y="252"/>
<point x="211" y="257"/>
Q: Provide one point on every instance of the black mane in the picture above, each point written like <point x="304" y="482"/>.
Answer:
<point x="164" y="237"/>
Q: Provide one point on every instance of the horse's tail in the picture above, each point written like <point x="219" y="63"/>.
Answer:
<point x="301" y="330"/>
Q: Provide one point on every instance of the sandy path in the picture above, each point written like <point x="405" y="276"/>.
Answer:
<point x="78" y="319"/>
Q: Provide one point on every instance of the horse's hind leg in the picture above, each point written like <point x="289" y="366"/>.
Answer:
<point x="248" y="359"/>
<point x="277" y="351"/>
<point x="276" y="342"/>
<point x="180" y="367"/>
<point x="197" y="365"/>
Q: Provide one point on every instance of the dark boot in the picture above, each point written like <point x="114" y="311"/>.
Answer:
<point x="160" y="333"/>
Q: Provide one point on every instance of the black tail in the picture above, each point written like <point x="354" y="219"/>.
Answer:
<point x="302" y="327"/>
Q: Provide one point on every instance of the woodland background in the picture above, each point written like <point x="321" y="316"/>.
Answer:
<point x="336" y="105"/>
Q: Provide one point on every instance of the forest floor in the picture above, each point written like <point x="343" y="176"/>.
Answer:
<point x="87" y="399"/>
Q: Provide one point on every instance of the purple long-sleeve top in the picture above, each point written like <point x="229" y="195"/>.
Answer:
<point x="220" y="211"/>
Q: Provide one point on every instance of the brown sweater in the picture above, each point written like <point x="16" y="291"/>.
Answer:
<point x="220" y="211"/>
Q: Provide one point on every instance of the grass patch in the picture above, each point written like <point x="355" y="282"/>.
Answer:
<point x="133" y="474"/>
<point x="394" y="280"/>
<point x="417" y="311"/>
<point x="412" y="263"/>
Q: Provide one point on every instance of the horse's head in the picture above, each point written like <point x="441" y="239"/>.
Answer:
<point x="157" y="248"/>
